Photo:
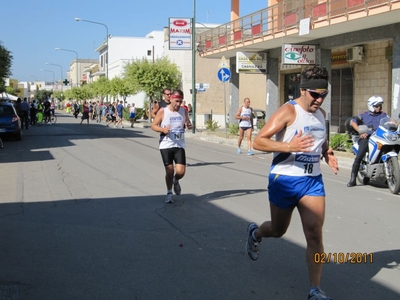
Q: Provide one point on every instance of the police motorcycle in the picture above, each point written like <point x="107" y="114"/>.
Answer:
<point x="381" y="160"/>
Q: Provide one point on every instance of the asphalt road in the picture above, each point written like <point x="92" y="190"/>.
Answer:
<point x="82" y="216"/>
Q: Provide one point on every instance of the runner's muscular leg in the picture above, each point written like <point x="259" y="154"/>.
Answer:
<point x="280" y="220"/>
<point x="169" y="174"/>
<point x="179" y="171"/>
<point x="312" y="214"/>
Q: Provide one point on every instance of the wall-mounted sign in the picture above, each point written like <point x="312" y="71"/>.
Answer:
<point x="251" y="62"/>
<point x="298" y="54"/>
<point x="180" y="34"/>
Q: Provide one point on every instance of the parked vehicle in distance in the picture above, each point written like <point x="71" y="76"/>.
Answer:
<point x="10" y="124"/>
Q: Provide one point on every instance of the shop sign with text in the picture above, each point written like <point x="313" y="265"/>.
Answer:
<point x="298" y="54"/>
<point x="251" y="62"/>
<point x="180" y="34"/>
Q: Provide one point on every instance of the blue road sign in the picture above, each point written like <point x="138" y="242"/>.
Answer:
<point x="224" y="74"/>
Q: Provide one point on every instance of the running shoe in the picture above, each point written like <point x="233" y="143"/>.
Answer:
<point x="250" y="152"/>
<point x="239" y="151"/>
<point x="169" y="198"/>
<point x="177" y="187"/>
<point x="318" y="294"/>
<point x="252" y="246"/>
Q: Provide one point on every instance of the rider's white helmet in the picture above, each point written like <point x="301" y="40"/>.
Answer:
<point x="374" y="100"/>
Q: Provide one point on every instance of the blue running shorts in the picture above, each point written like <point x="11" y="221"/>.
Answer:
<point x="286" y="191"/>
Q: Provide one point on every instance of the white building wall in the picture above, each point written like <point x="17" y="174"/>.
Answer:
<point x="126" y="49"/>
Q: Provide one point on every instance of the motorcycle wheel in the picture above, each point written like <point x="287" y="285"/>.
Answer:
<point x="361" y="178"/>
<point x="394" y="172"/>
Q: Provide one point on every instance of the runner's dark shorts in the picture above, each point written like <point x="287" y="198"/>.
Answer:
<point x="171" y="155"/>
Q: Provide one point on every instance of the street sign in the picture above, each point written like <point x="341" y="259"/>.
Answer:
<point x="223" y="63"/>
<point x="224" y="74"/>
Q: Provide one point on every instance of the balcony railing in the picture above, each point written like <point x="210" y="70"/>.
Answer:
<point x="283" y="19"/>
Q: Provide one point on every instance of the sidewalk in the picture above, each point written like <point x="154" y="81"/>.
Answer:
<point x="220" y="137"/>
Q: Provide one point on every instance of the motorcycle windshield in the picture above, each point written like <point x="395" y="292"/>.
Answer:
<point x="389" y="124"/>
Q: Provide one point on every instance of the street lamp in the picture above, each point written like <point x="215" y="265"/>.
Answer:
<point x="61" y="73"/>
<point x="51" y="72"/>
<point x="77" y="63"/>
<point x="194" y="68"/>
<point x="106" y="56"/>
<point x="33" y="76"/>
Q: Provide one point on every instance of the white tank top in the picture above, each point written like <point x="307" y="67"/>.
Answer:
<point x="246" y="112"/>
<point x="300" y="163"/>
<point x="176" y="137"/>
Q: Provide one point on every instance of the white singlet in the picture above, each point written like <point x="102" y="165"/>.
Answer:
<point x="176" y="137"/>
<point x="300" y="163"/>
<point x="246" y="112"/>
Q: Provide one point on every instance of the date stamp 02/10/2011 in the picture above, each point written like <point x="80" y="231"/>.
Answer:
<point x="343" y="258"/>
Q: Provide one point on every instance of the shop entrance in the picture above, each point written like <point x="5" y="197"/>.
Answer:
<point x="341" y="98"/>
<point x="292" y="86"/>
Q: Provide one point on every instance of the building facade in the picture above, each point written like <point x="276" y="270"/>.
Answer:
<point x="358" y="41"/>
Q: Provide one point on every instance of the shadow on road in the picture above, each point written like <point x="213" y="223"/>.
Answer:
<point x="140" y="248"/>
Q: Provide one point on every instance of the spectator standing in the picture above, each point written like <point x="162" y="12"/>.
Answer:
<point x="85" y="113"/>
<point x="24" y="108"/>
<point x="98" y="112"/>
<point x="132" y="114"/>
<point x="245" y="117"/>
<point x="33" y="111"/>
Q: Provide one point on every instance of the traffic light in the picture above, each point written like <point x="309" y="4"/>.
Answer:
<point x="66" y="82"/>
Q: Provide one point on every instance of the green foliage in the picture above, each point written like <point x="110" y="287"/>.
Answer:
<point x="340" y="142"/>
<point x="212" y="125"/>
<point x="5" y="66"/>
<point x="42" y="95"/>
<point x="233" y="128"/>
<point x="100" y="88"/>
<point x="10" y="90"/>
<point x="122" y="87"/>
<point x="59" y="95"/>
<point x="139" y="113"/>
<point x="153" y="77"/>
<point x="260" y="124"/>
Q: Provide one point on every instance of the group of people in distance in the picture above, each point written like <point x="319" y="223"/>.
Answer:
<point x="33" y="112"/>
<point x="112" y="113"/>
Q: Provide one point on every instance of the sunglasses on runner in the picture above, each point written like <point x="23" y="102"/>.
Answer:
<point x="316" y="95"/>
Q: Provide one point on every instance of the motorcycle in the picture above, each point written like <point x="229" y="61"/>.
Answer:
<point x="381" y="160"/>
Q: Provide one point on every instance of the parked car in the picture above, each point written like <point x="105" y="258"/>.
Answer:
<point x="10" y="124"/>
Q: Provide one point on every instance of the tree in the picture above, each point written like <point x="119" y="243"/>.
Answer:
<point x="10" y="90"/>
<point x="100" y="88"/>
<point x="5" y="66"/>
<point x="122" y="87"/>
<point x="151" y="77"/>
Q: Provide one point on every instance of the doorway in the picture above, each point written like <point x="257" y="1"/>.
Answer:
<point x="292" y="86"/>
<point x="341" y="98"/>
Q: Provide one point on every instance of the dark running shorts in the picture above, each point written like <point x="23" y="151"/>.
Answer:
<point x="171" y="155"/>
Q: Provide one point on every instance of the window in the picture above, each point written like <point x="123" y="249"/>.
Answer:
<point x="148" y="52"/>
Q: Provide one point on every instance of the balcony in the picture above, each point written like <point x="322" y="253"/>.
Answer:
<point x="273" y="26"/>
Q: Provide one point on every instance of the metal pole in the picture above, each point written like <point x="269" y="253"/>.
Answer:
<point x="77" y="63"/>
<point x="61" y="73"/>
<point x="106" y="54"/>
<point x="226" y="133"/>
<point x="194" y="68"/>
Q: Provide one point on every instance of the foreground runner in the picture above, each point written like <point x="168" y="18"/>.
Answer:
<point x="295" y="179"/>
<point x="171" y="122"/>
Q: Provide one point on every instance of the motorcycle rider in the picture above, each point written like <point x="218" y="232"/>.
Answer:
<point x="370" y="118"/>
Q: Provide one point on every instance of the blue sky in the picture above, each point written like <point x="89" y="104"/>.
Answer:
<point x="32" y="29"/>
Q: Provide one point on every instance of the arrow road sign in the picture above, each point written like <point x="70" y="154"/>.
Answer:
<point x="224" y="74"/>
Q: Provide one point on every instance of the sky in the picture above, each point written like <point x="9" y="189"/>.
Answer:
<point x="32" y="29"/>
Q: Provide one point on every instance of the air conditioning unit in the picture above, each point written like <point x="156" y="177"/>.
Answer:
<point x="355" y="54"/>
